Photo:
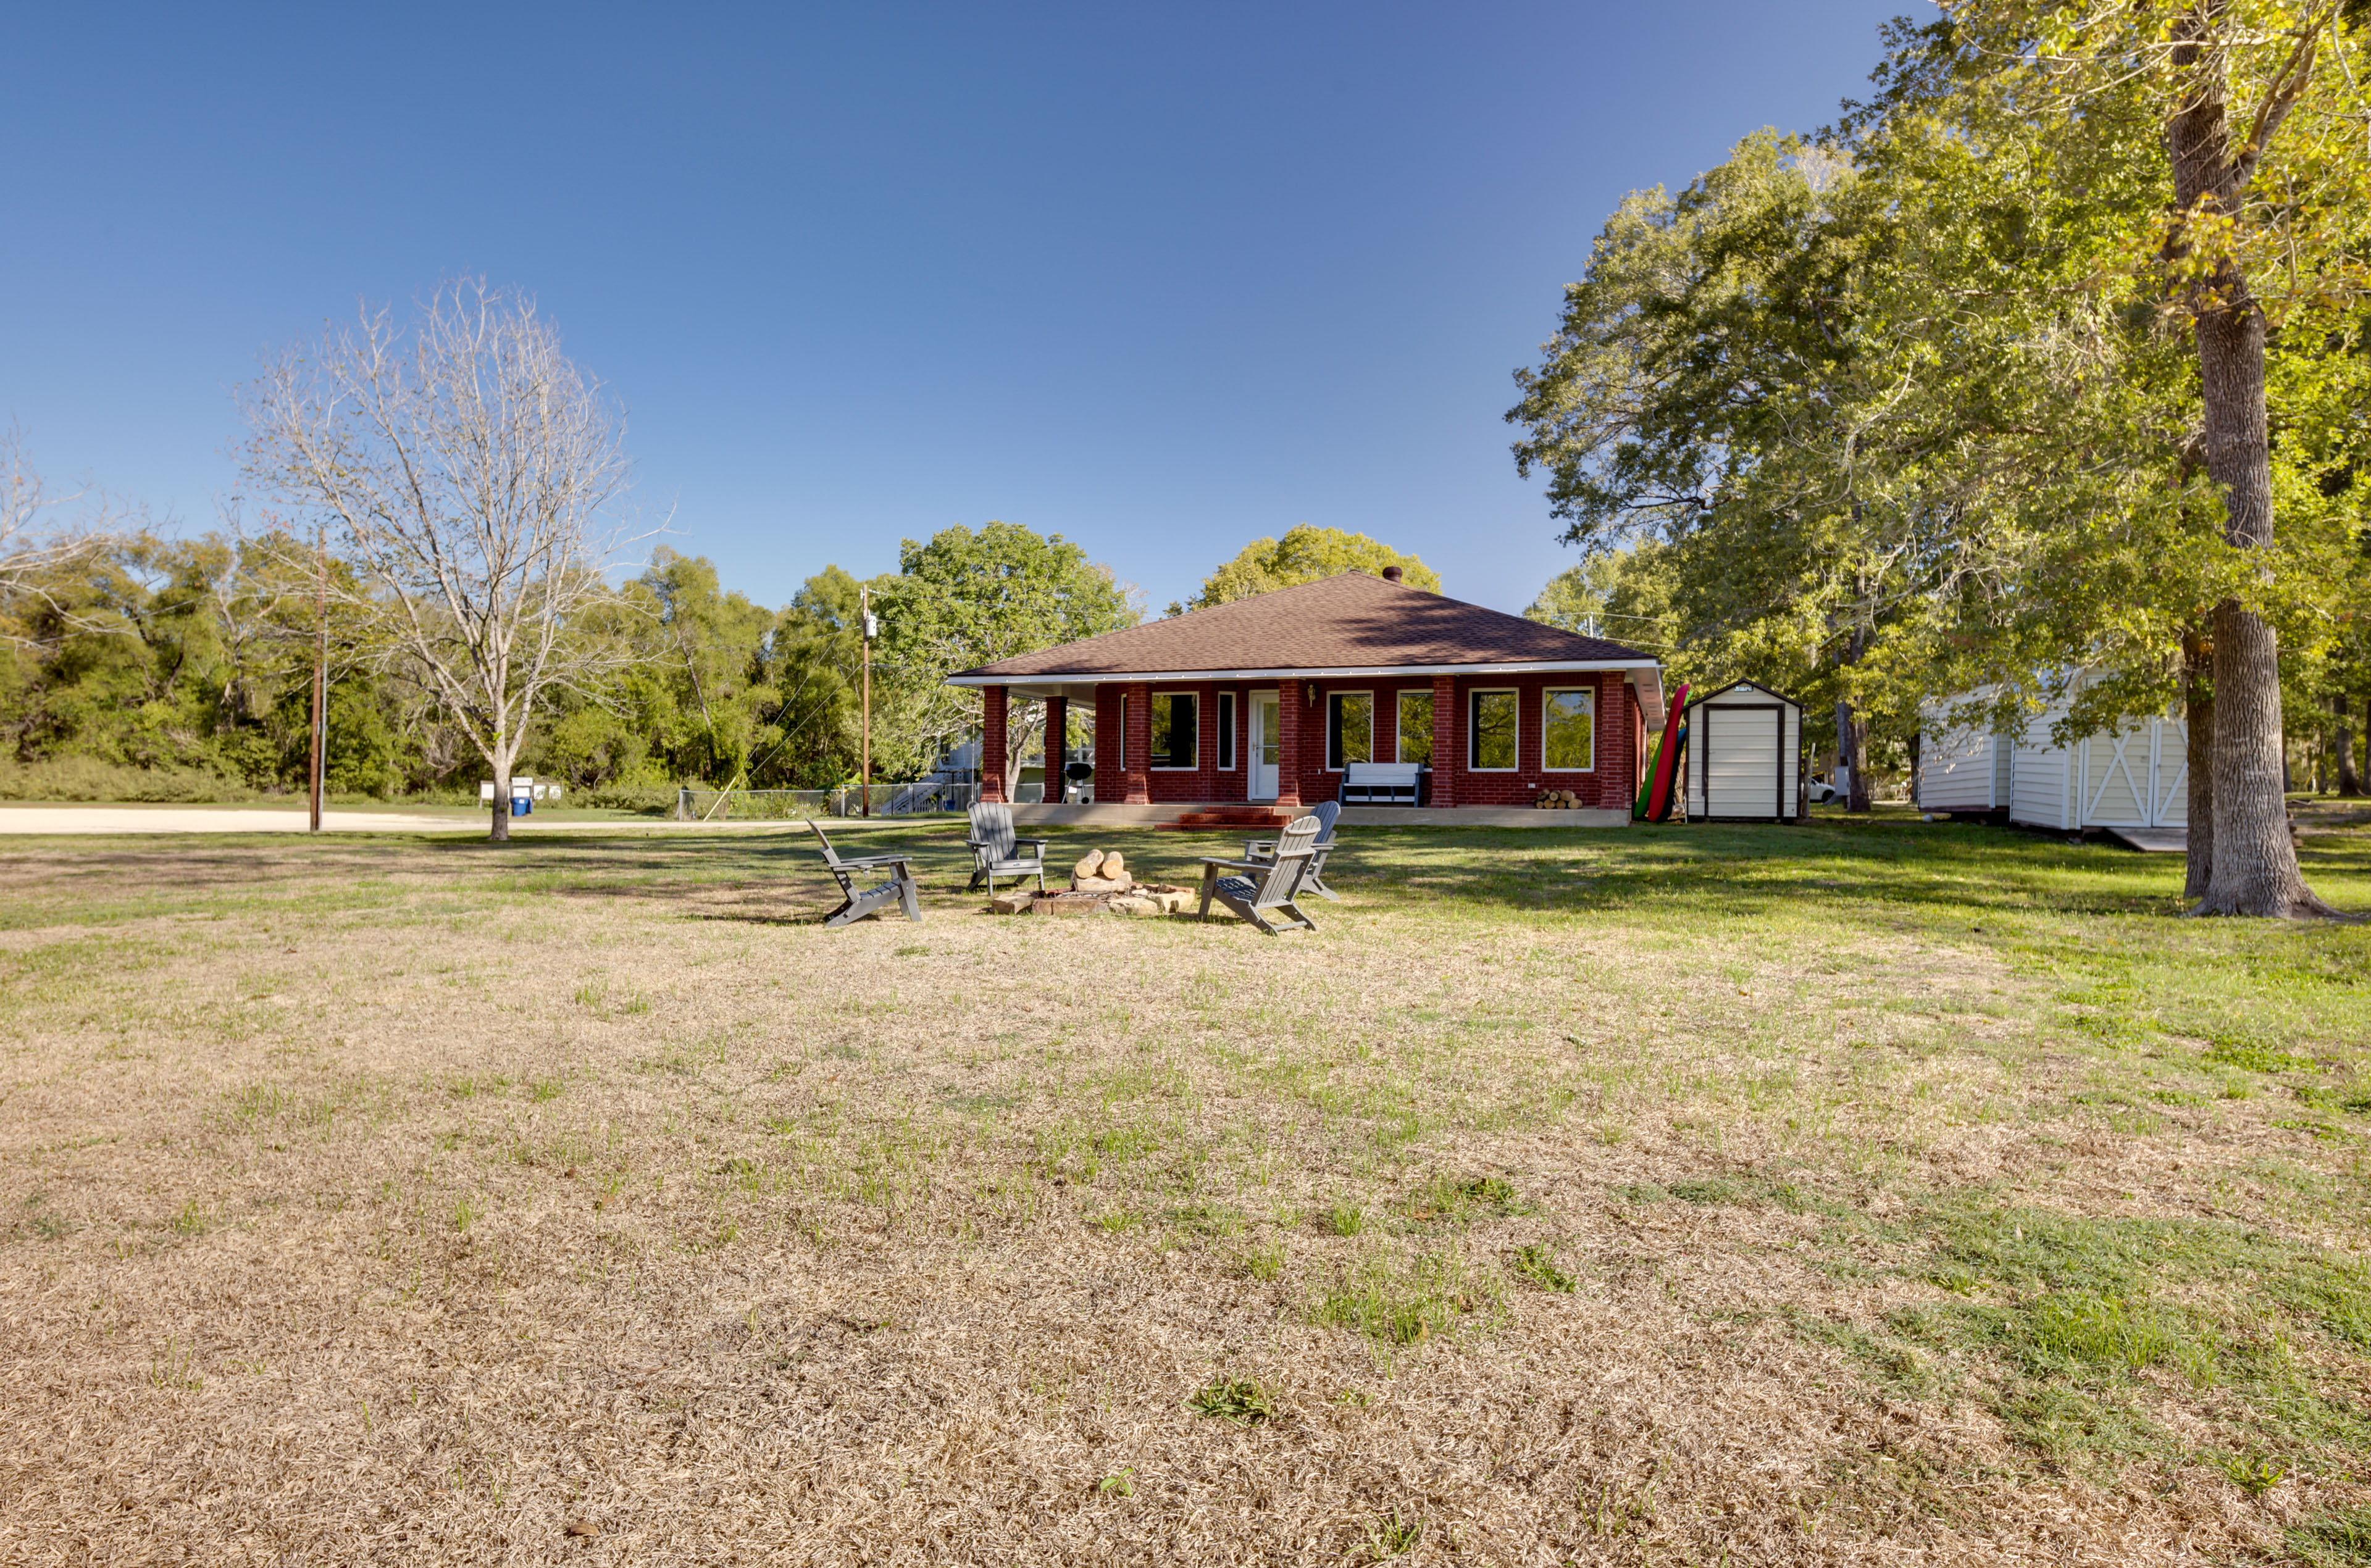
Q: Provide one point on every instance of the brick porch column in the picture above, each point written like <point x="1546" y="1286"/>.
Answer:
<point x="1057" y="741"/>
<point x="1140" y="745"/>
<point x="1446" y="756"/>
<point x="1617" y="772"/>
<point x="994" y="701"/>
<point x="1290" y="697"/>
<point x="1109" y="743"/>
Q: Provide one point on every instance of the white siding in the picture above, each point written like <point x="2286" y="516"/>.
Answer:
<point x="1745" y="754"/>
<point x="2115" y="780"/>
<point x="1956" y="770"/>
<point x="2171" y="807"/>
<point x="2135" y="777"/>
<point x="1741" y="761"/>
<point x="2040" y="794"/>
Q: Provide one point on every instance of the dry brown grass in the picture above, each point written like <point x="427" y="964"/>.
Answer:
<point x="413" y="1202"/>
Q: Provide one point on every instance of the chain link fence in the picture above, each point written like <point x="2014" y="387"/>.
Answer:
<point x="925" y="798"/>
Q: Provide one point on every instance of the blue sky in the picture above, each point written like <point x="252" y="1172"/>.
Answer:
<point x="1159" y="279"/>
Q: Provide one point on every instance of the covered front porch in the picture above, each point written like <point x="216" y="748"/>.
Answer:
<point x="1033" y="813"/>
<point x="1273" y="702"/>
<point x="1491" y="741"/>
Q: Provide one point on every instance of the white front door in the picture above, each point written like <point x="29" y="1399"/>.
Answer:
<point x="1264" y="749"/>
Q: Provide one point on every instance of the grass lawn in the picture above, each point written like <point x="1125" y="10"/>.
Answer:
<point x="1869" y="1192"/>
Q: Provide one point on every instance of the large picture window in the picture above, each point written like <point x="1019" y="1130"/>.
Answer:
<point x="1492" y="748"/>
<point x="1568" y="731"/>
<point x="1415" y="738"/>
<point x="1349" y="729"/>
<point x="1227" y="730"/>
<point x="1174" y="729"/>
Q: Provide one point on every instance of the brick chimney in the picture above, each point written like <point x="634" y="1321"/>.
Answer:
<point x="1391" y="574"/>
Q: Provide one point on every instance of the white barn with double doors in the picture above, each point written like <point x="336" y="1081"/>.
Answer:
<point x="1745" y="755"/>
<point x="2136" y="778"/>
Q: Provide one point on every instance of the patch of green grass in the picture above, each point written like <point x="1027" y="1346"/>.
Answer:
<point x="1207" y="1219"/>
<point x="1536" y="1264"/>
<point x="2059" y="1315"/>
<point x="1393" y="1535"/>
<point x="1342" y="1219"/>
<point x="2342" y="1539"/>
<point x="1462" y="1200"/>
<point x="1430" y="1296"/>
<point x="2254" y="1056"/>
<point x="1262" y="1262"/>
<point x="2254" y="1474"/>
<point x="1240" y="1400"/>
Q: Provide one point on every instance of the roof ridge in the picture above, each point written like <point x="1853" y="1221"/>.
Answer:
<point x="1348" y="620"/>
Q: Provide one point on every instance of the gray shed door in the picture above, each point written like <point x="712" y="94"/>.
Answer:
<point x="1741" y="760"/>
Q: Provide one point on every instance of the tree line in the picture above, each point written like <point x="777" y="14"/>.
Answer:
<point x="435" y="513"/>
<point x="1989" y="397"/>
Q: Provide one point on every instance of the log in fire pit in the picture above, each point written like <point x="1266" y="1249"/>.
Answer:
<point x="1100" y="884"/>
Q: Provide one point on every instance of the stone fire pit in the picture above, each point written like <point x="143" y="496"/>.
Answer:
<point x="1100" y="884"/>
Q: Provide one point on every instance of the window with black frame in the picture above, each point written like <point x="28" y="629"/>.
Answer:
<point x="1493" y="746"/>
<point x="1415" y="739"/>
<point x="1174" y="729"/>
<point x="1349" y="727"/>
<point x="1226" y="730"/>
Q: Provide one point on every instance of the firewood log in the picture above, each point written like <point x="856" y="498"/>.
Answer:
<point x="1089" y="866"/>
<point x="1114" y="867"/>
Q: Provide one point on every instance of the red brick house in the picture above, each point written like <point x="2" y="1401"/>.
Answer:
<point x="1265" y="700"/>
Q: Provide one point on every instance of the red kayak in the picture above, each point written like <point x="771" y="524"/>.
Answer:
<point x="1664" y="777"/>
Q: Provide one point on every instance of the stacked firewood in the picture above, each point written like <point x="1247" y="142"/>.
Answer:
<point x="1099" y="883"/>
<point x="1100" y="870"/>
<point x="1560" y="801"/>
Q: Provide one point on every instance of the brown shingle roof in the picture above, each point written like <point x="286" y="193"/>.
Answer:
<point x="1349" y="621"/>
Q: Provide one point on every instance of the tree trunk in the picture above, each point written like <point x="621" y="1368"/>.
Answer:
<point x="2198" y="711"/>
<point x="1852" y="751"/>
<point x="2342" y="741"/>
<point x="2255" y="861"/>
<point x="502" y="829"/>
<point x="2255" y="867"/>
<point x="1852" y="729"/>
<point x="2348" y="781"/>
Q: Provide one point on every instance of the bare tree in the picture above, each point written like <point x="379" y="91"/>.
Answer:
<point x="38" y="532"/>
<point x="472" y="477"/>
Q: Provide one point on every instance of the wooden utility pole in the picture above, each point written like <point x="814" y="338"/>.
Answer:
<point x="864" y="764"/>
<point x="320" y="678"/>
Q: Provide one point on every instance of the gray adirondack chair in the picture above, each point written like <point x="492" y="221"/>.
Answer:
<point x="995" y="852"/>
<point x="1264" y="895"/>
<point x="859" y="901"/>
<point x="1314" y="881"/>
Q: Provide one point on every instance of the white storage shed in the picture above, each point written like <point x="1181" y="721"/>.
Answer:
<point x="1745" y="755"/>
<point x="2136" y="778"/>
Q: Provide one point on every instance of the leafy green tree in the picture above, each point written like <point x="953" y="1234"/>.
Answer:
<point x="705" y="648"/>
<point x="963" y="599"/>
<point x="2246" y="118"/>
<point x="816" y="666"/>
<point x="1305" y="554"/>
<point x="1708" y="390"/>
<point x="1624" y="596"/>
<point x="1923" y="409"/>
